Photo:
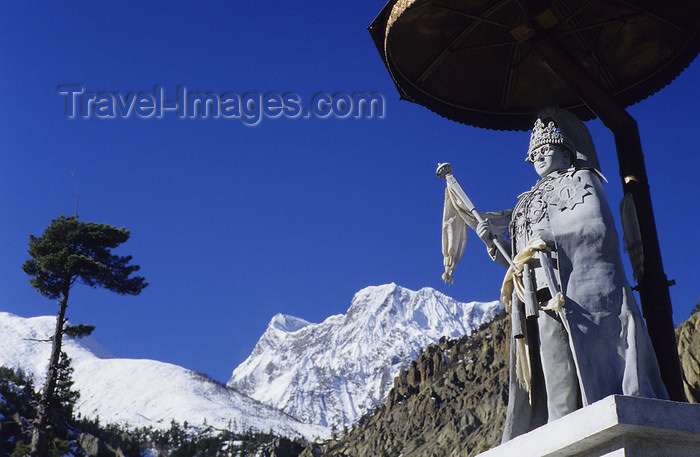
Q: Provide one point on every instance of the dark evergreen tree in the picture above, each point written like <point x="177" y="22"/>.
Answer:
<point x="64" y="397"/>
<point x="71" y="251"/>
<point x="17" y="408"/>
<point x="17" y="399"/>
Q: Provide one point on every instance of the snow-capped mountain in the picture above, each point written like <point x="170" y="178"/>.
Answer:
<point x="139" y="392"/>
<point x="333" y="372"/>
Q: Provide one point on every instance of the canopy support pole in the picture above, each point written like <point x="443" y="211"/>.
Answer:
<point x="653" y="284"/>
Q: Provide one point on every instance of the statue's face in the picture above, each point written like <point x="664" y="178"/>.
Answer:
<point x="548" y="158"/>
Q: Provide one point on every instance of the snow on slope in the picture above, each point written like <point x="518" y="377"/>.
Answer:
<point x="139" y="392"/>
<point x="332" y="373"/>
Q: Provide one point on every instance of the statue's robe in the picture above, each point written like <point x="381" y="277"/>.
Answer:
<point x="607" y="340"/>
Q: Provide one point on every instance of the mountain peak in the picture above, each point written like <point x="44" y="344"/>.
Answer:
<point x="333" y="372"/>
<point x="373" y="299"/>
<point x="287" y="323"/>
<point x="383" y="289"/>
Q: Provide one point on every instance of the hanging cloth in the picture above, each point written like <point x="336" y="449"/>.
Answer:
<point x="455" y="219"/>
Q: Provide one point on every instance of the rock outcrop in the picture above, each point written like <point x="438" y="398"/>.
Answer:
<point x="688" y="338"/>
<point x="452" y="399"/>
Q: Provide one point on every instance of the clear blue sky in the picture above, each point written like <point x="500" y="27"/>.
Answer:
<point x="232" y="224"/>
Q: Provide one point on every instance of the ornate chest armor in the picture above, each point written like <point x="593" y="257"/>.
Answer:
<point x="530" y="214"/>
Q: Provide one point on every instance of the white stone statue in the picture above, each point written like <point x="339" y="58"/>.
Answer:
<point x="578" y="335"/>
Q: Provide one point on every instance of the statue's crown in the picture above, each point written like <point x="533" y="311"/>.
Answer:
<point x="549" y="134"/>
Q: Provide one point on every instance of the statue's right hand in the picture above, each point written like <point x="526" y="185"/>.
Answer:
<point x="484" y="231"/>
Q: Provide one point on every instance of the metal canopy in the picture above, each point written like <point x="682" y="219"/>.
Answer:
<point x="475" y="62"/>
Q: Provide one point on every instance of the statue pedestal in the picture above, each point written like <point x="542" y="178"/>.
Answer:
<point x="616" y="426"/>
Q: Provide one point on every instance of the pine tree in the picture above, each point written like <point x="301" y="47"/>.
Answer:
<point x="71" y="251"/>
<point x="64" y="397"/>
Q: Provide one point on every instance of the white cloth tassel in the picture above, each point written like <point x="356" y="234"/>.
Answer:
<point x="455" y="220"/>
<point x="522" y="365"/>
<point x="454" y="237"/>
<point x="555" y="303"/>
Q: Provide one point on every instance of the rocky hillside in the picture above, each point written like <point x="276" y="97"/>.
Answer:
<point x="452" y="400"/>
<point x="688" y="337"/>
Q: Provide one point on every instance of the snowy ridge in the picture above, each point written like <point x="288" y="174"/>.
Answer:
<point x="139" y="392"/>
<point x="288" y="324"/>
<point x="333" y="372"/>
